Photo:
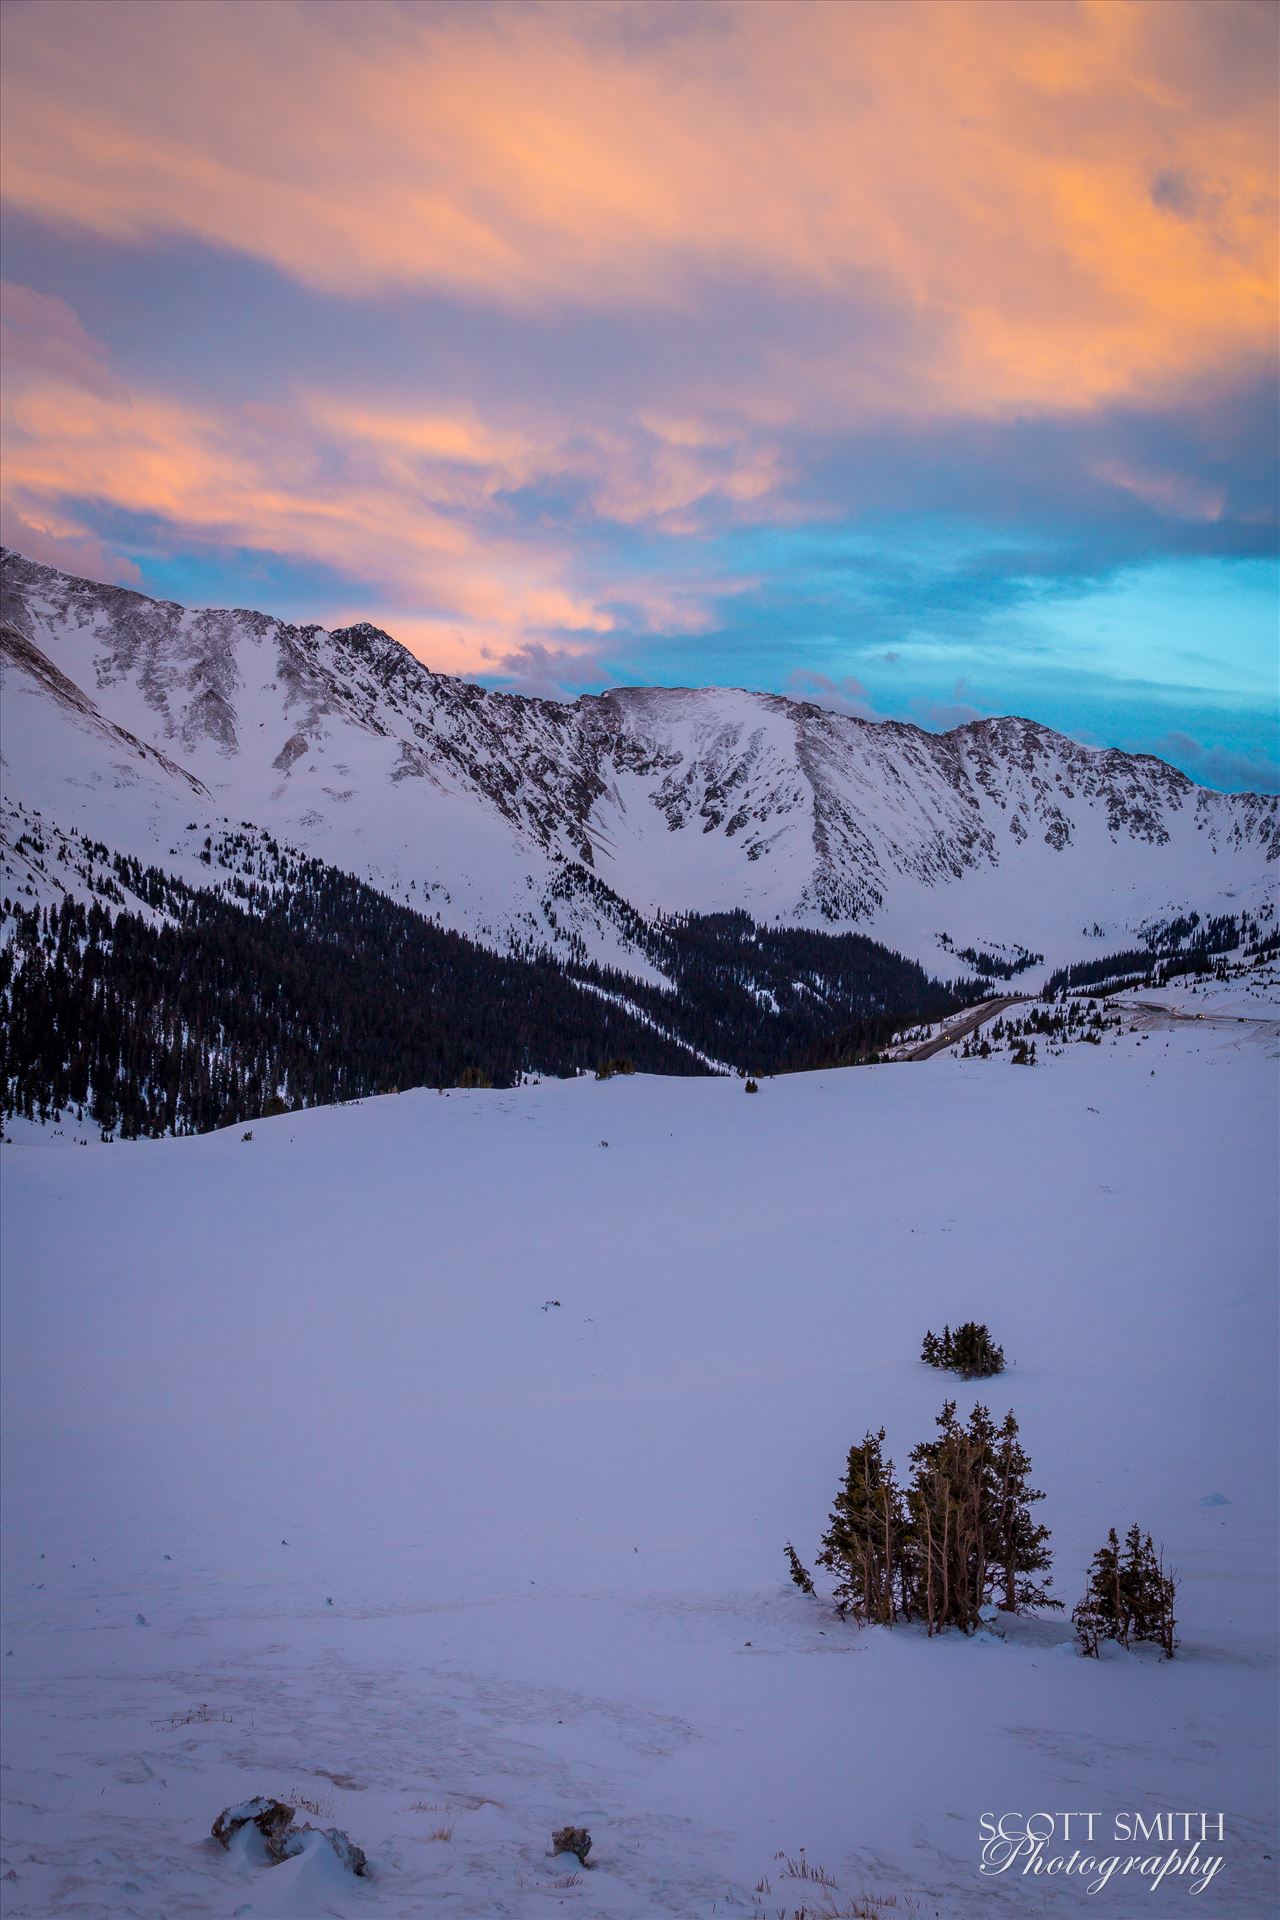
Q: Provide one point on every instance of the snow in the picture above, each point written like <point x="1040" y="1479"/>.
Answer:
<point x="553" y="1539"/>
<point x="1253" y="994"/>
<point x="310" y="1883"/>
<point x="428" y="844"/>
<point x="468" y="803"/>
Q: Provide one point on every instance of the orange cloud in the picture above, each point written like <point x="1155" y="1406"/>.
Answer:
<point x="647" y="473"/>
<point x="1062" y="204"/>
<point x="57" y="540"/>
<point x="409" y="502"/>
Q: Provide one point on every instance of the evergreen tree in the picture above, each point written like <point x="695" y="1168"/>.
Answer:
<point x="947" y="1504"/>
<point x="799" y="1572"/>
<point x="1101" y="1613"/>
<point x="1129" y="1597"/>
<point x="1148" y="1591"/>
<point x="961" y="1534"/>
<point x="932" y="1350"/>
<point x="969" y="1351"/>
<point x="972" y="1536"/>
<point x="863" y="1544"/>
<point x="1017" y="1545"/>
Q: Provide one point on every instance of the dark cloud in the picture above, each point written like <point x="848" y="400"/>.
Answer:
<point x="546" y="673"/>
<point x="1220" y="766"/>
<point x="843" y="695"/>
<point x="1177" y="193"/>
<point x="1085" y="494"/>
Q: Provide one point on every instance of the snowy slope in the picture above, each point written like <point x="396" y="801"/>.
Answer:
<point x="64" y="761"/>
<point x="552" y="1536"/>
<point x="70" y="774"/>
<point x="471" y="802"/>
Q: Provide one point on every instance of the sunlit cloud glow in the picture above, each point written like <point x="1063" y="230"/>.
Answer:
<point x="584" y="342"/>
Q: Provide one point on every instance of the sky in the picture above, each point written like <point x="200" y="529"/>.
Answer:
<point x="915" y="359"/>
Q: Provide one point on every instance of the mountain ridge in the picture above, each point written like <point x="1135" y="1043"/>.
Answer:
<point x="362" y="635"/>
<point x="473" y="802"/>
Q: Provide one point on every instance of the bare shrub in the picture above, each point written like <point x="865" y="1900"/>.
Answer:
<point x="320" y="1806"/>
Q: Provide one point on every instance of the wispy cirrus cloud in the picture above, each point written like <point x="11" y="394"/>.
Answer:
<point x="40" y="334"/>
<point x="461" y="523"/>
<point x="62" y="543"/>
<point x="435" y="511"/>
<point x="258" y="479"/>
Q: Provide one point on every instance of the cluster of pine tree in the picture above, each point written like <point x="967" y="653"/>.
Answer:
<point x="1185" y="944"/>
<point x="961" y="1535"/>
<point x="969" y="1351"/>
<point x="219" y="1014"/>
<point x="1005" y="965"/>
<point x="994" y="966"/>
<point x="1073" y="1021"/>
<point x="781" y="998"/>
<point x="292" y="984"/>
<point x="1129" y="1597"/>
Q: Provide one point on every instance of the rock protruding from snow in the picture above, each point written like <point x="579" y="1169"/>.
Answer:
<point x="575" y="1840"/>
<point x="272" y="1818"/>
<point x="274" y="1821"/>
<point x="349" y="1855"/>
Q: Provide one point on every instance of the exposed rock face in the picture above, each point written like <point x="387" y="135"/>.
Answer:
<point x="272" y="1818"/>
<point x="22" y="654"/>
<point x="500" y="813"/>
<point x="284" y="1841"/>
<point x="349" y="1854"/>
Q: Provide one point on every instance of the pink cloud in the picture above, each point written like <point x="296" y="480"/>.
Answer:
<point x="990" y="174"/>
<point x="846" y="695"/>
<point x="39" y="332"/>
<point x="67" y="548"/>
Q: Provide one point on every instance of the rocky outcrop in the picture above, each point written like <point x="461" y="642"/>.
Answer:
<point x="274" y="1821"/>
<point x="272" y="1818"/>
<point x="679" y="800"/>
<point x="575" y="1840"/>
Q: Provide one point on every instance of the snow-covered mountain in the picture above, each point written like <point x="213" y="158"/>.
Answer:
<point x="144" y="723"/>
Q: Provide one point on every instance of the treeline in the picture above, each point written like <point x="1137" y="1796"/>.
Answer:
<point x="774" y="999"/>
<point x="1173" y="948"/>
<point x="220" y="1014"/>
<point x="196" y="1010"/>
<point x="1075" y="1021"/>
<point x="993" y="966"/>
<point x="867" y="1037"/>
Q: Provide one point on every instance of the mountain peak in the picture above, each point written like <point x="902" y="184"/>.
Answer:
<point x="541" y="823"/>
<point x="363" y="636"/>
